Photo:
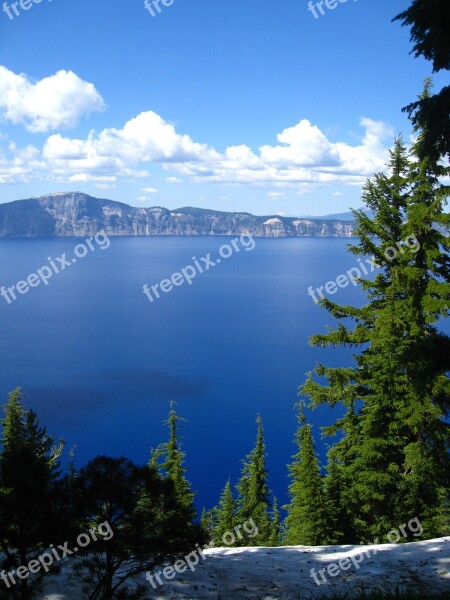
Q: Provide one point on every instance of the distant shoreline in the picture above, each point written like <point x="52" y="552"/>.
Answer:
<point x="171" y="235"/>
<point x="78" y="215"/>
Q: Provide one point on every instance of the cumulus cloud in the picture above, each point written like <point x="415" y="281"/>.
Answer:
<point x="55" y="102"/>
<point x="146" y="138"/>
<point x="303" y="158"/>
<point x="304" y="145"/>
<point x="21" y="165"/>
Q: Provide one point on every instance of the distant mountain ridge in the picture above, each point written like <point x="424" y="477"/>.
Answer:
<point x="76" y="214"/>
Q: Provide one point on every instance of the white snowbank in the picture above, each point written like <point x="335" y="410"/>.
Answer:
<point x="247" y="573"/>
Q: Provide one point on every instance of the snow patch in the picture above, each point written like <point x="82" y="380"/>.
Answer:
<point x="274" y="573"/>
<point x="273" y="221"/>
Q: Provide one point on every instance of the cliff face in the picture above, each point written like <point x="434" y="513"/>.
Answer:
<point x="80" y="215"/>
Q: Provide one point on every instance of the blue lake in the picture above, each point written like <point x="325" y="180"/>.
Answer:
<point x="99" y="362"/>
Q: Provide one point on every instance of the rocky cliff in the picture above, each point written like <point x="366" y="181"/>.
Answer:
<point x="79" y="215"/>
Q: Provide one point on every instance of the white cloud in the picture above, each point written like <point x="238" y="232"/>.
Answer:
<point x="148" y="138"/>
<point x="105" y="186"/>
<point x="21" y="165"/>
<point x="55" y="102"/>
<point x="304" y="146"/>
<point x="304" y="159"/>
<point x="87" y="178"/>
<point x="144" y="139"/>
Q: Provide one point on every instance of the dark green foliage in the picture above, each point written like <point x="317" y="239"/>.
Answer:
<point x="31" y="515"/>
<point x="339" y="499"/>
<point x="225" y="514"/>
<point x="133" y="518"/>
<point x="208" y="521"/>
<point x="253" y="500"/>
<point x="430" y="30"/>
<point x="429" y="21"/>
<point x="149" y="524"/>
<point x="433" y="112"/>
<point x="307" y="518"/>
<point x="172" y="463"/>
<point x="252" y="507"/>
<point x="390" y="461"/>
<point x="275" y="524"/>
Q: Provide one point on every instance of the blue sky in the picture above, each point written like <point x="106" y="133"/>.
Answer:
<point x="241" y="105"/>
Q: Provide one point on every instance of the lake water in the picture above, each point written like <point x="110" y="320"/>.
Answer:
<point x="99" y="362"/>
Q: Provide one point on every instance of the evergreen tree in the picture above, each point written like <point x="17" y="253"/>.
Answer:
<point x="172" y="463"/>
<point x="225" y="514"/>
<point x="14" y="421"/>
<point x="146" y="525"/>
<point x="426" y="358"/>
<point x="306" y="521"/>
<point x="338" y="498"/>
<point x="243" y="492"/>
<point x="208" y="522"/>
<point x="275" y="523"/>
<point x="429" y="21"/>
<point x="253" y="490"/>
<point x="392" y="458"/>
<point x="31" y="515"/>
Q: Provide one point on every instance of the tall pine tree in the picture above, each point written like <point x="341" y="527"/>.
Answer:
<point x="391" y="461"/>
<point x="429" y="21"/>
<point x="253" y="490"/>
<point x="31" y="515"/>
<point x="306" y="522"/>
<point x="225" y="514"/>
<point x="169" y="459"/>
<point x="275" y="524"/>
